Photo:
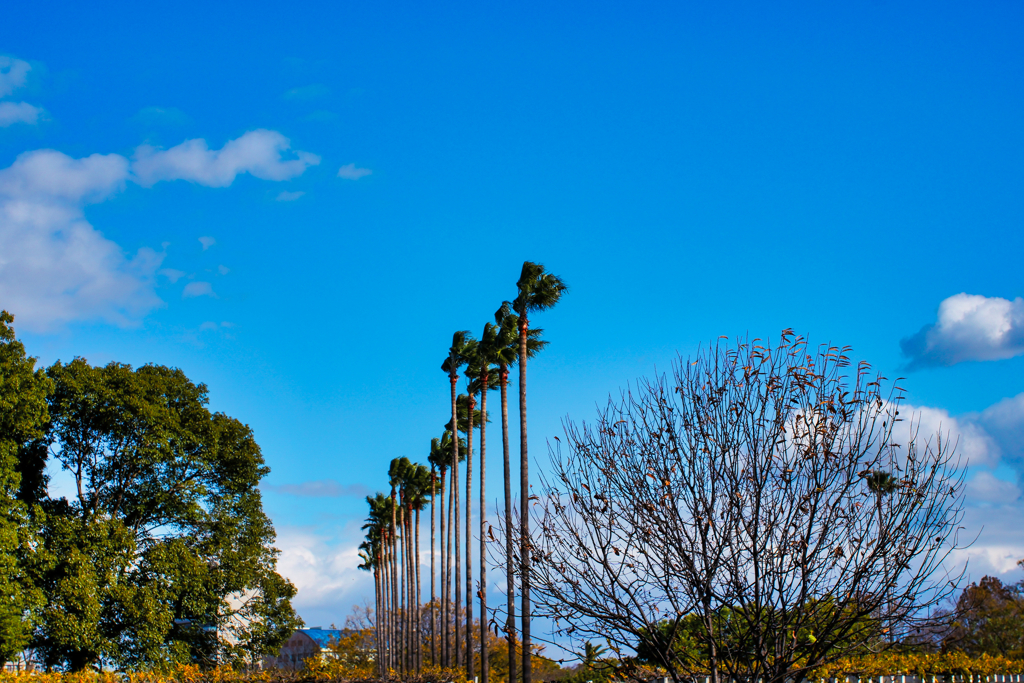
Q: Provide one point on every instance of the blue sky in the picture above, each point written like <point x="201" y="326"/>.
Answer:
<point x="299" y="205"/>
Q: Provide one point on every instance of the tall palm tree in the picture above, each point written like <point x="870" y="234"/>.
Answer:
<point x="442" y="455"/>
<point x="506" y="354"/>
<point x="538" y="290"/>
<point x="468" y="418"/>
<point x="486" y="353"/>
<point x="458" y="353"/>
<point x="377" y="539"/>
<point x="397" y="472"/>
<point x="420" y="483"/>
<point x="367" y="555"/>
<point x="435" y="454"/>
<point x="472" y="370"/>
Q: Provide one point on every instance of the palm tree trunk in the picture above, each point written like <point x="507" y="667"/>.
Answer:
<point x="444" y="577"/>
<point x="458" y="540"/>
<point x="382" y="617"/>
<point x="524" y="502"/>
<point x="401" y="598"/>
<point x="510" y="584"/>
<point x="386" y="563"/>
<point x="417" y="630"/>
<point x="484" y="669"/>
<point x="410" y="591"/>
<point x="469" y="542"/>
<point x="450" y="626"/>
<point x="433" y="520"/>
<point x="394" y="582"/>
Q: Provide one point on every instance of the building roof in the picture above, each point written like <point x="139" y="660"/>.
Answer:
<point x="323" y="636"/>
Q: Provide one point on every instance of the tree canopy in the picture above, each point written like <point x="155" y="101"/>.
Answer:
<point x="162" y="551"/>
<point x="159" y="550"/>
<point x="23" y="417"/>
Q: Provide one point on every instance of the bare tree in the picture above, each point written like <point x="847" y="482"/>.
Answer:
<point x="721" y="521"/>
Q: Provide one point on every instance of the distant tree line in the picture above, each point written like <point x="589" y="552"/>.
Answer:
<point x="156" y="549"/>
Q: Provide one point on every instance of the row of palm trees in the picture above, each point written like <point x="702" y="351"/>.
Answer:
<point x="391" y="548"/>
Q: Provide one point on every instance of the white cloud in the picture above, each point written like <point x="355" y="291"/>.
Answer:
<point x="1004" y="421"/>
<point x="194" y="289"/>
<point x="223" y="270"/>
<point x="325" y="573"/>
<point x="987" y="489"/>
<point x="172" y="274"/>
<point x="289" y="196"/>
<point x="13" y="74"/>
<point x="969" y="327"/>
<point x="973" y="442"/>
<point x="208" y="325"/>
<point x="18" y="112"/>
<point x="207" y="242"/>
<point x="54" y="266"/>
<point x="49" y="176"/>
<point x="998" y="540"/>
<point x="258" y="152"/>
<point x="350" y="172"/>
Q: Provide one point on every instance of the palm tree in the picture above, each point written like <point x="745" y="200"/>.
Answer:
<point x="591" y="654"/>
<point x="538" y="291"/>
<point x="435" y="454"/>
<point x="472" y="370"/>
<point x="397" y="473"/>
<point x="467" y="418"/>
<point x="421" y="483"/>
<point x="486" y="379"/>
<point x="442" y="455"/>
<point x="506" y="354"/>
<point x="377" y="538"/>
<point x="458" y="353"/>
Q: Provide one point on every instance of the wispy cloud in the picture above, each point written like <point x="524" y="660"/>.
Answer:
<point x="18" y="112"/>
<point x="55" y="267"/>
<point x="223" y="270"/>
<point x="289" y="196"/>
<point x="207" y="242"/>
<point x="324" y="569"/>
<point x="210" y="325"/>
<point x="172" y="274"/>
<point x="13" y="74"/>
<point x="322" y="488"/>
<point x="351" y="172"/>
<point x="258" y="152"/>
<point x="194" y="289"/>
<point x="969" y="327"/>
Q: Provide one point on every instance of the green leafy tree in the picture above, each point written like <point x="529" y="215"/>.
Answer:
<point x="988" y="619"/>
<point x="163" y="552"/>
<point x="23" y="416"/>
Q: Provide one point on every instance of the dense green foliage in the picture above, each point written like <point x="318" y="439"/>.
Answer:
<point x="161" y="552"/>
<point x="988" y="620"/>
<point x="23" y="391"/>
